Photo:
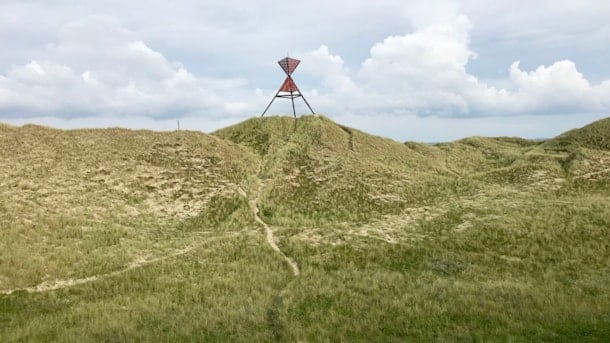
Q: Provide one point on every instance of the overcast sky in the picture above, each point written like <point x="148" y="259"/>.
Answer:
<point x="410" y="70"/>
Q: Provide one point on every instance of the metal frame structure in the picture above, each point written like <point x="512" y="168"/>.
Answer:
<point x="289" y="88"/>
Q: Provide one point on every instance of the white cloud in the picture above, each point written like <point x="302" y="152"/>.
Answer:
<point x="97" y="67"/>
<point x="331" y="68"/>
<point x="559" y="87"/>
<point x="205" y="59"/>
<point x="424" y="70"/>
<point x="424" y="73"/>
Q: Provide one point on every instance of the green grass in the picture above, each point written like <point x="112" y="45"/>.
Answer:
<point x="153" y="236"/>
<point x="592" y="136"/>
<point x="219" y="292"/>
<point x="531" y="272"/>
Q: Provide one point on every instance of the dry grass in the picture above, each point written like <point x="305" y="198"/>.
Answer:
<point x="118" y="235"/>
<point x="77" y="203"/>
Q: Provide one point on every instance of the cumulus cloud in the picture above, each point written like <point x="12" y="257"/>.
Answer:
<point x="424" y="73"/>
<point x="557" y="88"/>
<point x="97" y="67"/>
<point x="331" y="68"/>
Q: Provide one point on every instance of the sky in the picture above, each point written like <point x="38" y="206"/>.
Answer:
<point x="427" y="71"/>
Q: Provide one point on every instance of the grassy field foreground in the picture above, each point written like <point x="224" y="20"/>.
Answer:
<point x="118" y="235"/>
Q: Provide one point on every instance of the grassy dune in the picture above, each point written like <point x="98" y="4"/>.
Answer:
<point x="119" y="235"/>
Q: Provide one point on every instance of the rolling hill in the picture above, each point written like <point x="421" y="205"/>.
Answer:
<point x="277" y="229"/>
<point x="593" y="136"/>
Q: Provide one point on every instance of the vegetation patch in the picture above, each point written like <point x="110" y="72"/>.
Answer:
<point x="278" y="229"/>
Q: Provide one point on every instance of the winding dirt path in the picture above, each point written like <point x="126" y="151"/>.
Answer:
<point x="65" y="283"/>
<point x="588" y="175"/>
<point x="268" y="231"/>
<point x="138" y="263"/>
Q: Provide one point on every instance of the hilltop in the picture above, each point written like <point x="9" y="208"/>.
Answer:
<point x="167" y="172"/>
<point x="593" y="136"/>
<point x="319" y="170"/>
<point x="277" y="229"/>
